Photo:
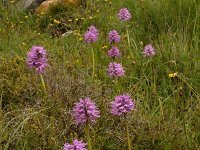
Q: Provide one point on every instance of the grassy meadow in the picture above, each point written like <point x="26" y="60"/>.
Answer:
<point x="165" y="87"/>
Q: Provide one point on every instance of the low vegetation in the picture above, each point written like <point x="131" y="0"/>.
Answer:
<point x="164" y="87"/>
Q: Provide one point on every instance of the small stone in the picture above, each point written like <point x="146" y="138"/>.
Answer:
<point x="30" y="4"/>
<point x="43" y="7"/>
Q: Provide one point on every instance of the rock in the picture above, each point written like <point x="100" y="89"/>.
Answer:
<point x="30" y="4"/>
<point x="71" y="2"/>
<point x="43" y="7"/>
<point x="67" y="34"/>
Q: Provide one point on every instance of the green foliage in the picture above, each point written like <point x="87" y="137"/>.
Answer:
<point x="167" y="109"/>
<point x="15" y="83"/>
<point x="61" y="18"/>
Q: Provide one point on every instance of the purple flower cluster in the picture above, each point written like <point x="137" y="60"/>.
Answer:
<point x="91" y="35"/>
<point x="37" y="59"/>
<point x="114" y="52"/>
<point x="124" y="14"/>
<point x="115" y="70"/>
<point x="149" y="51"/>
<point x="85" y="111"/>
<point x="93" y="30"/>
<point x="122" y="105"/>
<point x="113" y="37"/>
<point x="76" y="145"/>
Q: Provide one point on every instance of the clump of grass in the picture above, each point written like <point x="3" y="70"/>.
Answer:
<point x="15" y="83"/>
<point x="61" y="18"/>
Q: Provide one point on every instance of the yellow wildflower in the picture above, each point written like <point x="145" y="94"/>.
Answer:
<point x="56" y="21"/>
<point x="172" y="75"/>
<point x="90" y="17"/>
<point x="42" y="13"/>
<point x="76" y="19"/>
<point x="26" y="17"/>
<point x="81" y="39"/>
<point x="104" y="47"/>
<point x="75" y="32"/>
<point x="141" y="43"/>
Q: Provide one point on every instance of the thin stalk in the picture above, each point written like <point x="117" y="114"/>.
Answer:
<point x="1" y="119"/>
<point x="93" y="3"/>
<point x="116" y="85"/>
<point x="102" y="98"/>
<point x="127" y="133"/>
<point x="122" y="2"/>
<point x="88" y="137"/>
<point x="93" y="63"/>
<point x="161" y="108"/>
<point x="43" y="84"/>
<point x="185" y="129"/>
<point x="128" y="40"/>
<point x="144" y="11"/>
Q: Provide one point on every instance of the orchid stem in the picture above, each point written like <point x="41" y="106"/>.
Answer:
<point x="127" y="133"/>
<point x="88" y="137"/>
<point x="93" y="63"/>
<point x="43" y="84"/>
<point x="128" y="40"/>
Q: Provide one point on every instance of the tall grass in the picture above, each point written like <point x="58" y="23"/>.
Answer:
<point x="167" y="115"/>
